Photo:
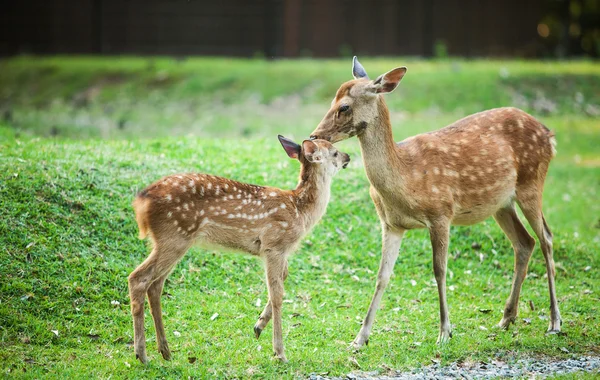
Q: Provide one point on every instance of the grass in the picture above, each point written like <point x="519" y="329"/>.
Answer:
<point x="124" y="97"/>
<point x="68" y="237"/>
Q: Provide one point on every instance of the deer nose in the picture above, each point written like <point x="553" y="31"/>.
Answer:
<point x="346" y="161"/>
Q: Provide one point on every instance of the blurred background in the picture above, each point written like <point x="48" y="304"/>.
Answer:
<point x="107" y="68"/>
<point x="304" y="28"/>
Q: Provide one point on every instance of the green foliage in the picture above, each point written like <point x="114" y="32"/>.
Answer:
<point x="68" y="236"/>
<point x="121" y="97"/>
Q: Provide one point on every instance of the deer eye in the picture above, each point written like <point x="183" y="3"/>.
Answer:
<point x="344" y="108"/>
<point x="335" y="154"/>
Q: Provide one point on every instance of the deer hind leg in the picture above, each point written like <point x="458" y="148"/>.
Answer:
<point x="532" y="209"/>
<point x="154" y="293"/>
<point x="523" y="245"/>
<point x="158" y="264"/>
<point x="440" y="236"/>
<point x="265" y="316"/>
<point x="391" y="241"/>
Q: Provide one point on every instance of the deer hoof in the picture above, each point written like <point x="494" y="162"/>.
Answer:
<point x="505" y="323"/>
<point x="166" y="354"/>
<point x="280" y="357"/>
<point x="359" y="343"/>
<point x="257" y="331"/>
<point x="142" y="358"/>
<point x="444" y="337"/>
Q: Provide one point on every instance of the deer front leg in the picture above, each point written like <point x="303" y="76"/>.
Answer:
<point x="275" y="268"/>
<point x="389" y="253"/>
<point x="439" y="235"/>
<point x="265" y="316"/>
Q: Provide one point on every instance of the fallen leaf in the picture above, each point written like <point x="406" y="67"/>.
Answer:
<point x="355" y="278"/>
<point x="483" y="328"/>
<point x="127" y="365"/>
<point x="25" y="340"/>
<point x="476" y="246"/>
<point x="564" y="349"/>
<point x="55" y="332"/>
<point x="177" y="333"/>
<point x="587" y="291"/>
<point x="527" y="321"/>
<point x="93" y="336"/>
<point x="413" y="282"/>
<point x="485" y="311"/>
<point x="531" y="305"/>
<point x="115" y="303"/>
<point x="258" y="302"/>
<point x="587" y="269"/>
<point x="192" y="359"/>
<point x="214" y="316"/>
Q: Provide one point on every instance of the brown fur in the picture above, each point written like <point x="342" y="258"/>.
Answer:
<point x="462" y="174"/>
<point x="180" y="210"/>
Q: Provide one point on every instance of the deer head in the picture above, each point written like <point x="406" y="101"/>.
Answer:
<point x="319" y="153"/>
<point x="355" y="105"/>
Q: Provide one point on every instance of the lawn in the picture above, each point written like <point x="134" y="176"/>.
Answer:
<point x="80" y="136"/>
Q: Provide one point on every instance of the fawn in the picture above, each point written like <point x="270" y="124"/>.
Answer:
<point x="474" y="168"/>
<point x="180" y="210"/>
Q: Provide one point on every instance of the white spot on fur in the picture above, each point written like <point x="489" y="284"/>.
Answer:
<point x="175" y="223"/>
<point x="209" y="186"/>
<point x="168" y="197"/>
<point x="436" y="171"/>
<point x="169" y="214"/>
<point x="283" y="224"/>
<point x="283" y="205"/>
<point x="273" y="194"/>
<point x="434" y="189"/>
<point x="185" y="206"/>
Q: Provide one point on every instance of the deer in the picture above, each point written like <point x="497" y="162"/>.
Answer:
<point x="181" y="210"/>
<point x="477" y="167"/>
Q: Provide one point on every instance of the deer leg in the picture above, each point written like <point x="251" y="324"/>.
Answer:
<point x="532" y="209"/>
<point x="139" y="282"/>
<point x="154" y="293"/>
<point x="158" y="264"/>
<point x="389" y="253"/>
<point x="523" y="245"/>
<point x="276" y="264"/>
<point x="265" y="316"/>
<point x="439" y="234"/>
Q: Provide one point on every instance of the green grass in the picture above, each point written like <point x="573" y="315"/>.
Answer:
<point x="68" y="237"/>
<point x="118" y="97"/>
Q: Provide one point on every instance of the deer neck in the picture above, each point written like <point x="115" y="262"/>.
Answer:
<point x="382" y="160"/>
<point x="312" y="193"/>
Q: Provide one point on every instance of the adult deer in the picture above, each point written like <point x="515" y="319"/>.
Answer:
<point x="461" y="174"/>
<point x="180" y="210"/>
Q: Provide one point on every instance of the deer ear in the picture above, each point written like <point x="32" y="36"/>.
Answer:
<point x="389" y="81"/>
<point x="311" y="151"/>
<point x="291" y="148"/>
<point x="358" y="71"/>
